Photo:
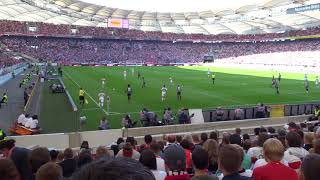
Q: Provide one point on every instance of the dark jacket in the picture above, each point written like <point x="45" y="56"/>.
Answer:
<point x="236" y="176"/>
<point x="69" y="166"/>
<point x="20" y="157"/>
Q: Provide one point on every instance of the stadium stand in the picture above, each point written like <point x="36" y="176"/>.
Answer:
<point x="267" y="143"/>
<point x="87" y="50"/>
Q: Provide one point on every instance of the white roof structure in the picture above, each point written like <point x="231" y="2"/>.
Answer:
<point x="264" y="16"/>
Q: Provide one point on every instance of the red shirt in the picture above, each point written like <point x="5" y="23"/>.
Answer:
<point x="178" y="177"/>
<point x="274" y="171"/>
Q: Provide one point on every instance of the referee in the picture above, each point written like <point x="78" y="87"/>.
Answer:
<point x="81" y="96"/>
<point x="213" y="77"/>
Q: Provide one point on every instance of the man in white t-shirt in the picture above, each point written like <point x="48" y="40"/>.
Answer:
<point x="101" y="99"/>
<point x="21" y="119"/>
<point x="163" y="92"/>
<point x="25" y="120"/>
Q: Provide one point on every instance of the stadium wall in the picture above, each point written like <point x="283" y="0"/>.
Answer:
<point x="107" y="137"/>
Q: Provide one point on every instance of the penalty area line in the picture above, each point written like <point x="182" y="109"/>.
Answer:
<point x="86" y="92"/>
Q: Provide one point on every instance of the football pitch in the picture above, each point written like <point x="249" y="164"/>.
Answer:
<point x="233" y="87"/>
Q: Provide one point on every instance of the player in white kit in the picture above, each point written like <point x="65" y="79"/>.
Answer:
<point x="101" y="99"/>
<point x="209" y="73"/>
<point x="171" y="80"/>
<point x="163" y="92"/>
<point x="317" y="82"/>
<point x="125" y="75"/>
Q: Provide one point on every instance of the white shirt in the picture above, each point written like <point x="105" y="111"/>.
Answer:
<point x="317" y="81"/>
<point x="101" y="96"/>
<point x="25" y="120"/>
<point x="34" y="124"/>
<point x="255" y="152"/>
<point x="21" y="119"/>
<point x="125" y="73"/>
<point x="164" y="90"/>
<point x="159" y="175"/>
<point x="28" y="122"/>
<point x="160" y="164"/>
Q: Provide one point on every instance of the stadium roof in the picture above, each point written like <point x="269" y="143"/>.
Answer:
<point x="258" y="16"/>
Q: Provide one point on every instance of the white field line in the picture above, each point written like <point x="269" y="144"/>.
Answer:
<point x="86" y="92"/>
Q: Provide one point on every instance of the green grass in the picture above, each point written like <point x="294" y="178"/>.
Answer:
<point x="232" y="87"/>
<point x="56" y="113"/>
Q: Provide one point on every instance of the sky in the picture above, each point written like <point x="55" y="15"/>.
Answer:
<point x="175" y="5"/>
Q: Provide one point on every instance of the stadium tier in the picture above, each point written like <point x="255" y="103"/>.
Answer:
<point x="87" y="50"/>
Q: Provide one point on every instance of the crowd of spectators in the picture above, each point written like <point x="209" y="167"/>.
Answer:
<point x="39" y="28"/>
<point x="291" y="153"/>
<point x="84" y="50"/>
<point x="7" y="60"/>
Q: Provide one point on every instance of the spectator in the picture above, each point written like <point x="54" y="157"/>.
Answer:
<point x="238" y="114"/>
<point x="260" y="111"/>
<point x="135" y="153"/>
<point x="115" y="147"/>
<point x="147" y="140"/>
<point x="8" y="170"/>
<point x="49" y="171"/>
<point x="102" y="152"/>
<point x="126" y="151"/>
<point x="19" y="156"/>
<point x="148" y="159"/>
<point x="246" y="145"/>
<point x="54" y="155"/>
<point x="115" y="169"/>
<point x="273" y="151"/>
<point x="155" y="147"/>
<point x="178" y="139"/>
<point x="214" y="135"/>
<point x="220" y="114"/>
<point x="69" y="164"/>
<point x="225" y="138"/>
<point x="295" y="151"/>
<point x="196" y="140"/>
<point x="84" y="145"/>
<point x="244" y="169"/>
<point x="211" y="147"/>
<point x="175" y="160"/>
<point x="84" y="158"/>
<point x="256" y="153"/>
<point x="171" y="140"/>
<point x="310" y="169"/>
<point x="245" y="137"/>
<point x="200" y="162"/>
<point x="186" y="146"/>
<point x="104" y="124"/>
<point x="229" y="162"/>
<point x="235" y="139"/>
<point x="38" y="157"/>
<point x="316" y="145"/>
<point x="308" y="139"/>
<point x="21" y="119"/>
<point x="204" y="137"/>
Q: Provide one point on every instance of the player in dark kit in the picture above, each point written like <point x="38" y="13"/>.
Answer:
<point x="129" y="92"/>
<point x="139" y="75"/>
<point x="179" y="90"/>
<point x="306" y="85"/>
<point x="143" y="82"/>
<point x="81" y="96"/>
<point x="276" y="86"/>
<point x="279" y="77"/>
